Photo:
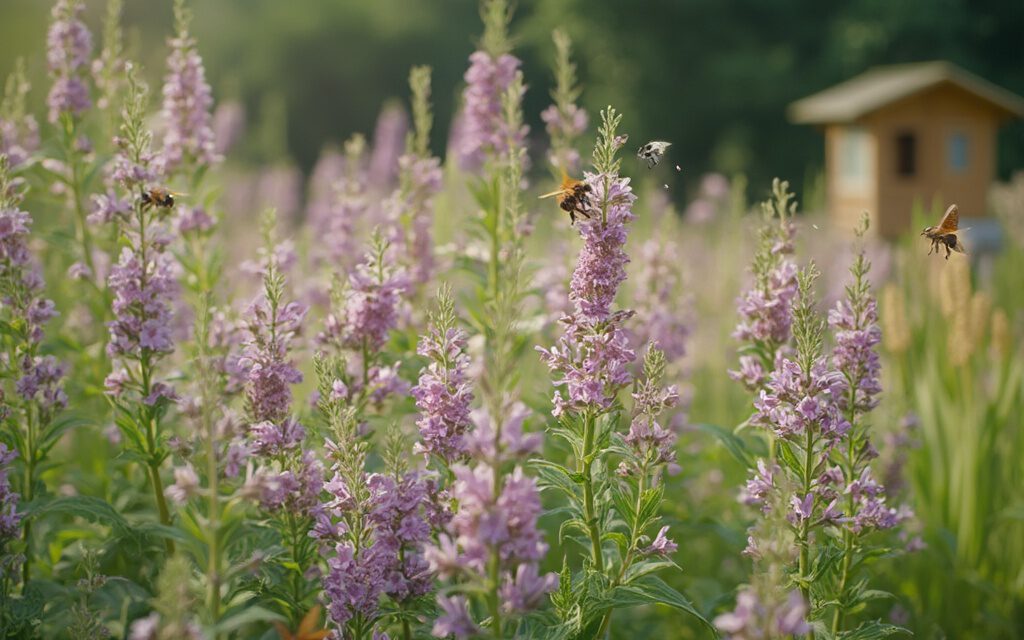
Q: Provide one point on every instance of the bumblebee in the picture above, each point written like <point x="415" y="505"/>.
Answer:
<point x="944" y="235"/>
<point x="573" y="197"/>
<point x="158" y="197"/>
<point x="652" y="152"/>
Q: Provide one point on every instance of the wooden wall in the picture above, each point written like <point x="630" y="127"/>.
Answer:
<point x="933" y="116"/>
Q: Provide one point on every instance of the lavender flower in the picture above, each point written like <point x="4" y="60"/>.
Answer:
<point x="855" y="323"/>
<point x="662" y="309"/>
<point x="188" y="140"/>
<point x="411" y="214"/>
<point x="754" y="620"/>
<point x="388" y="141"/>
<point x="760" y="486"/>
<point x="371" y="301"/>
<point x="9" y="516"/>
<point x="338" y="200"/>
<point x="108" y="69"/>
<point x="651" y="444"/>
<point x="19" y="139"/>
<point x="593" y="354"/>
<point x="564" y="120"/>
<point x="372" y="529"/>
<point x="484" y="130"/>
<point x="38" y="379"/>
<point x="228" y="126"/>
<point x="601" y="266"/>
<point x="143" y="283"/>
<point x="269" y="372"/>
<point x="566" y="125"/>
<point x="330" y="168"/>
<point x="796" y="401"/>
<point x="495" y="526"/>
<point x="443" y="394"/>
<point x="69" y="45"/>
<point x="280" y="188"/>
<point x="454" y="619"/>
<point x="19" y="131"/>
<point x="766" y="308"/>
<point x="186" y="485"/>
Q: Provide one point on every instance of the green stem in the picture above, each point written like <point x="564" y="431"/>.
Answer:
<point x="81" y="223"/>
<point x="293" y="527"/>
<point x="848" y="538"/>
<point x="494" y="603"/>
<point x="27" y="495"/>
<point x="495" y="599"/>
<point x="806" y="527"/>
<point x="583" y="467"/>
<point x="161" y="502"/>
<point x="213" y="565"/>
<point x="152" y="429"/>
<point x="634" y="535"/>
<point x="837" y="617"/>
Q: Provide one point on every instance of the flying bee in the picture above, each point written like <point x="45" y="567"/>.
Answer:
<point x="158" y="197"/>
<point x="944" y="235"/>
<point x="573" y="197"/>
<point x="652" y="152"/>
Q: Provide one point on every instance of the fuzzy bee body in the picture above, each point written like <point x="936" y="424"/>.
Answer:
<point x="652" y="152"/>
<point x="158" y="197"/>
<point x="573" y="197"/>
<point x="944" y="236"/>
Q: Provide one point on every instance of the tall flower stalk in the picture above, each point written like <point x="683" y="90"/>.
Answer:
<point x="363" y="313"/>
<point x="373" y="527"/>
<point x="765" y="326"/>
<point x="144" y="286"/>
<point x="590" y="363"/>
<point x="32" y="393"/>
<point x="411" y="207"/>
<point x="289" y="478"/>
<point x="444" y="392"/>
<point x="188" y="150"/>
<point x="19" y="131"/>
<point x="188" y="140"/>
<point x="485" y="131"/>
<point x="592" y="357"/>
<point x="69" y="45"/>
<point x="854" y="321"/>
<point x="109" y="67"/>
<point x="564" y="120"/>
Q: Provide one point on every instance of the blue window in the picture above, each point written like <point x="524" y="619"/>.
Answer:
<point x="853" y="155"/>
<point x="957" y="152"/>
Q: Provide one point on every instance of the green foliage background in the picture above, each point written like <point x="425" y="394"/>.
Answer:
<point x="712" y="76"/>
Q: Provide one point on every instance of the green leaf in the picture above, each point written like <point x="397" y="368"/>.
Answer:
<point x="555" y="476"/>
<point x="25" y="612"/>
<point x="733" y="443"/>
<point x="88" y="507"/>
<point x="873" y="631"/>
<point x="238" y="618"/>
<point x="645" y="567"/>
<point x="623" y="503"/>
<point x="618" y="538"/>
<point x="788" y="457"/>
<point x="650" y="503"/>
<point x="653" y="590"/>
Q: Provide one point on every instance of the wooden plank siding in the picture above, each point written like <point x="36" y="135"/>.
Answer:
<point x="933" y="116"/>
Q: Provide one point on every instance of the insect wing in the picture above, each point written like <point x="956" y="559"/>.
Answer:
<point x="554" y="193"/>
<point x="951" y="220"/>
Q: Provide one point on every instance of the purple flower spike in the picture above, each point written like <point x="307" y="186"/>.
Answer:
<point x="69" y="45"/>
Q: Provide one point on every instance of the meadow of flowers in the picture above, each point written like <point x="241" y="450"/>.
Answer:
<point x="409" y="399"/>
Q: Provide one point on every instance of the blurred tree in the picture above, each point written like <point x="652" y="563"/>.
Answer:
<point x="712" y="76"/>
